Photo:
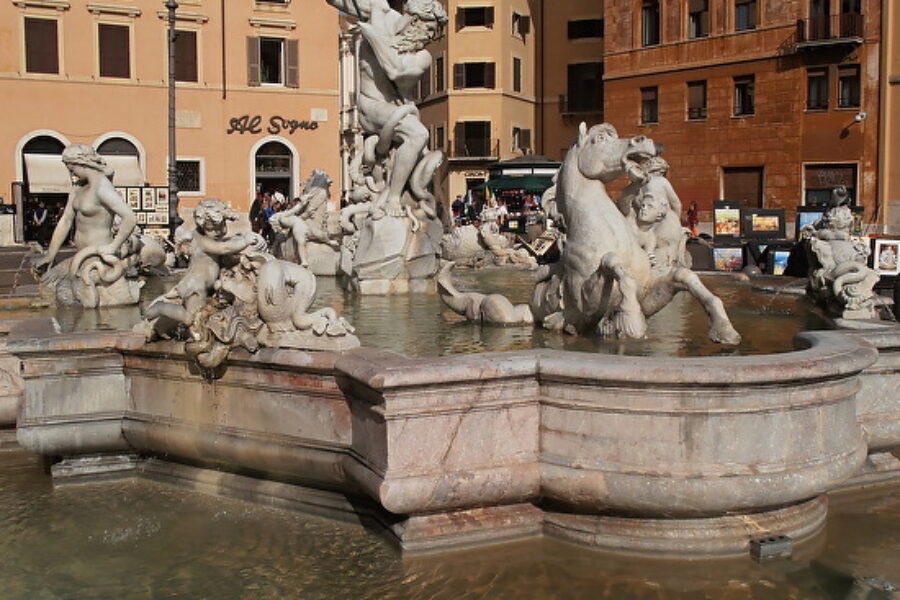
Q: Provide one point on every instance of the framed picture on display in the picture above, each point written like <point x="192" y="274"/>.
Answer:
<point x="133" y="197"/>
<point x="123" y="192"/>
<point x="162" y="199"/>
<point x="763" y="223"/>
<point x="148" y="198"/>
<point x="807" y="215"/>
<point x="141" y="218"/>
<point x="886" y="256"/>
<point x="728" y="258"/>
<point x="726" y="219"/>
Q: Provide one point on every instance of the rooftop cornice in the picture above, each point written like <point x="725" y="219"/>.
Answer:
<point x="114" y="9"/>
<point x="50" y="4"/>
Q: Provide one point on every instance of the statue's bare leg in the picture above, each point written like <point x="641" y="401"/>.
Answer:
<point x="628" y="319"/>
<point x="720" y="328"/>
<point x="298" y="232"/>
<point x="413" y="138"/>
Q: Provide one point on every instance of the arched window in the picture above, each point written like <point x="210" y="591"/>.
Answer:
<point x="274" y="168"/>
<point x="43" y="144"/>
<point x="123" y="157"/>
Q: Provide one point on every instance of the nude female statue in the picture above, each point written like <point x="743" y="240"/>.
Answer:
<point x="105" y="236"/>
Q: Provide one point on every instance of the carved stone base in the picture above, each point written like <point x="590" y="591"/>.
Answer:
<point x="122" y="292"/>
<point x="307" y="340"/>
<point x="88" y="469"/>
<point x="880" y="467"/>
<point x="689" y="537"/>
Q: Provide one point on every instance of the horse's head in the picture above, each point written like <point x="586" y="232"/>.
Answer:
<point x="603" y="155"/>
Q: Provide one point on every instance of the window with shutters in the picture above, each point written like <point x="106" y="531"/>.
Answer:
<point x="439" y="84"/>
<point x="115" y="50"/>
<point x="41" y="46"/>
<point x="472" y="139"/>
<point x="743" y="185"/>
<point x="649" y="105"/>
<point x="585" y="88"/>
<point x="650" y="23"/>
<point x="744" y="15"/>
<point x="696" y="100"/>
<point x="273" y="61"/>
<point x="698" y="18"/>
<point x="517" y="74"/>
<point x="744" y="96"/>
<point x="521" y="24"/>
<point x="440" y="138"/>
<point x="585" y="28"/>
<point x="474" y="16"/>
<point x="425" y="84"/>
<point x="521" y="140"/>
<point x="817" y="89"/>
<point x="474" y="75"/>
<point x="848" y="86"/>
<point x="186" y="56"/>
<point x="819" y="181"/>
<point x="189" y="175"/>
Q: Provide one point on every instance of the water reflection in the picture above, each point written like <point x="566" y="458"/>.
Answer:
<point x="144" y="540"/>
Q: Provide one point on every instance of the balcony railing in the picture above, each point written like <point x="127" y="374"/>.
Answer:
<point x="580" y="106"/>
<point x="833" y="29"/>
<point x="474" y="148"/>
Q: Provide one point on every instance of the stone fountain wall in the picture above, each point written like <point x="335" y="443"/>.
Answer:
<point x="696" y="455"/>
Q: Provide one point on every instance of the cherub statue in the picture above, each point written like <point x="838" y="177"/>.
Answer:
<point x="110" y="250"/>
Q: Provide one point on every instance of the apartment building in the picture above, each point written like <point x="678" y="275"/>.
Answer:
<point x="257" y="94"/>
<point x="889" y="143"/>
<point x="769" y="103"/>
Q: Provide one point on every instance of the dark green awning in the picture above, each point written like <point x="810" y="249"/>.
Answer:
<point x="531" y="183"/>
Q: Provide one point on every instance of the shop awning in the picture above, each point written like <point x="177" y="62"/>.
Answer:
<point x="530" y="183"/>
<point x="47" y="174"/>
<point x="127" y="170"/>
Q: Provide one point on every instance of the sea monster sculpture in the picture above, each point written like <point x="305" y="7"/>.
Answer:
<point x="236" y="294"/>
<point x="838" y="275"/>
<point x="393" y="221"/>
<point x="110" y="249"/>
<point x="307" y="222"/>
<point x="605" y="281"/>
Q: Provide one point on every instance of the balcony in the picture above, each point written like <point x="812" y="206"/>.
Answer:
<point x="474" y="149"/>
<point x="572" y="106"/>
<point x="833" y="30"/>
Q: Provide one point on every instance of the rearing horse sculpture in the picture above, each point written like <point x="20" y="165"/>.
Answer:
<point x="604" y="281"/>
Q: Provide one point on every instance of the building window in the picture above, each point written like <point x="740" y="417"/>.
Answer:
<point x="650" y="23"/>
<point x="517" y="74"/>
<point x="820" y="180"/>
<point x="186" y="56"/>
<point x="696" y="100"/>
<point x="817" y="89"/>
<point x="474" y="75"/>
<point x="273" y="61"/>
<point x="649" y="105"/>
<point x="521" y="24"/>
<point x="41" y="46"/>
<point x="521" y="140"/>
<point x="585" y="28"/>
<point x="585" y="88"/>
<point x="473" y="139"/>
<point x="474" y="16"/>
<point x="744" y="15"/>
<point x="439" y="74"/>
<point x="744" y="95"/>
<point x="425" y="84"/>
<point x="114" y="46"/>
<point x="698" y="18"/>
<point x="743" y="185"/>
<point x="440" y="139"/>
<point x="848" y="86"/>
<point x="188" y="175"/>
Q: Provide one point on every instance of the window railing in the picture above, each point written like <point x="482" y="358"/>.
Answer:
<point x="474" y="148"/>
<point x="843" y="27"/>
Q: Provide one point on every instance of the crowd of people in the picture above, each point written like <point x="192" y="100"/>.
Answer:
<point x="266" y="204"/>
<point x="469" y="209"/>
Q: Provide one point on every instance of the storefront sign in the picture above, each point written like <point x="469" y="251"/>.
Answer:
<point x="276" y="124"/>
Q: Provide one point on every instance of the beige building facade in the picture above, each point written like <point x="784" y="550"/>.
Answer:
<point x="257" y="95"/>
<point x="889" y="137"/>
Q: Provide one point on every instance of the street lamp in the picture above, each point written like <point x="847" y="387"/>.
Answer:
<point x="171" y="6"/>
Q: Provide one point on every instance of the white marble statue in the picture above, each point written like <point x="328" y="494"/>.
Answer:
<point x="307" y="223"/>
<point x="110" y="248"/>
<point x="839" y="278"/>
<point x="475" y="247"/>
<point x="392" y="222"/>
<point x="605" y="280"/>
<point x="236" y="294"/>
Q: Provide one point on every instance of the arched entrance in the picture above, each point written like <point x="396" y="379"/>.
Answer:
<point x="274" y="169"/>
<point x="124" y="158"/>
<point x="46" y="184"/>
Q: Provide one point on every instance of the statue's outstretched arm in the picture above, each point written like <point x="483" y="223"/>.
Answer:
<point x="232" y="245"/>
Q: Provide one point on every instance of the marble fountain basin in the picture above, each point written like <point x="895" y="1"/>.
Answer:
<point x="694" y="456"/>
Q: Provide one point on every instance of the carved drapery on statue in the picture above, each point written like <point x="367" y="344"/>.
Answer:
<point x="237" y="295"/>
<point x="392" y="223"/>
<point x="619" y="264"/>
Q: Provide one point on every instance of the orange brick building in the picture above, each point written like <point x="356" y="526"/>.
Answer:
<point x="766" y="102"/>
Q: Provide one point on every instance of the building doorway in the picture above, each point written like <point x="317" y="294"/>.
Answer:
<point x="743" y="185"/>
<point x="46" y="184"/>
<point x="274" y="169"/>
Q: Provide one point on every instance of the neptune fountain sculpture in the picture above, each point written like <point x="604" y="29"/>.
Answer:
<point x="393" y="223"/>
